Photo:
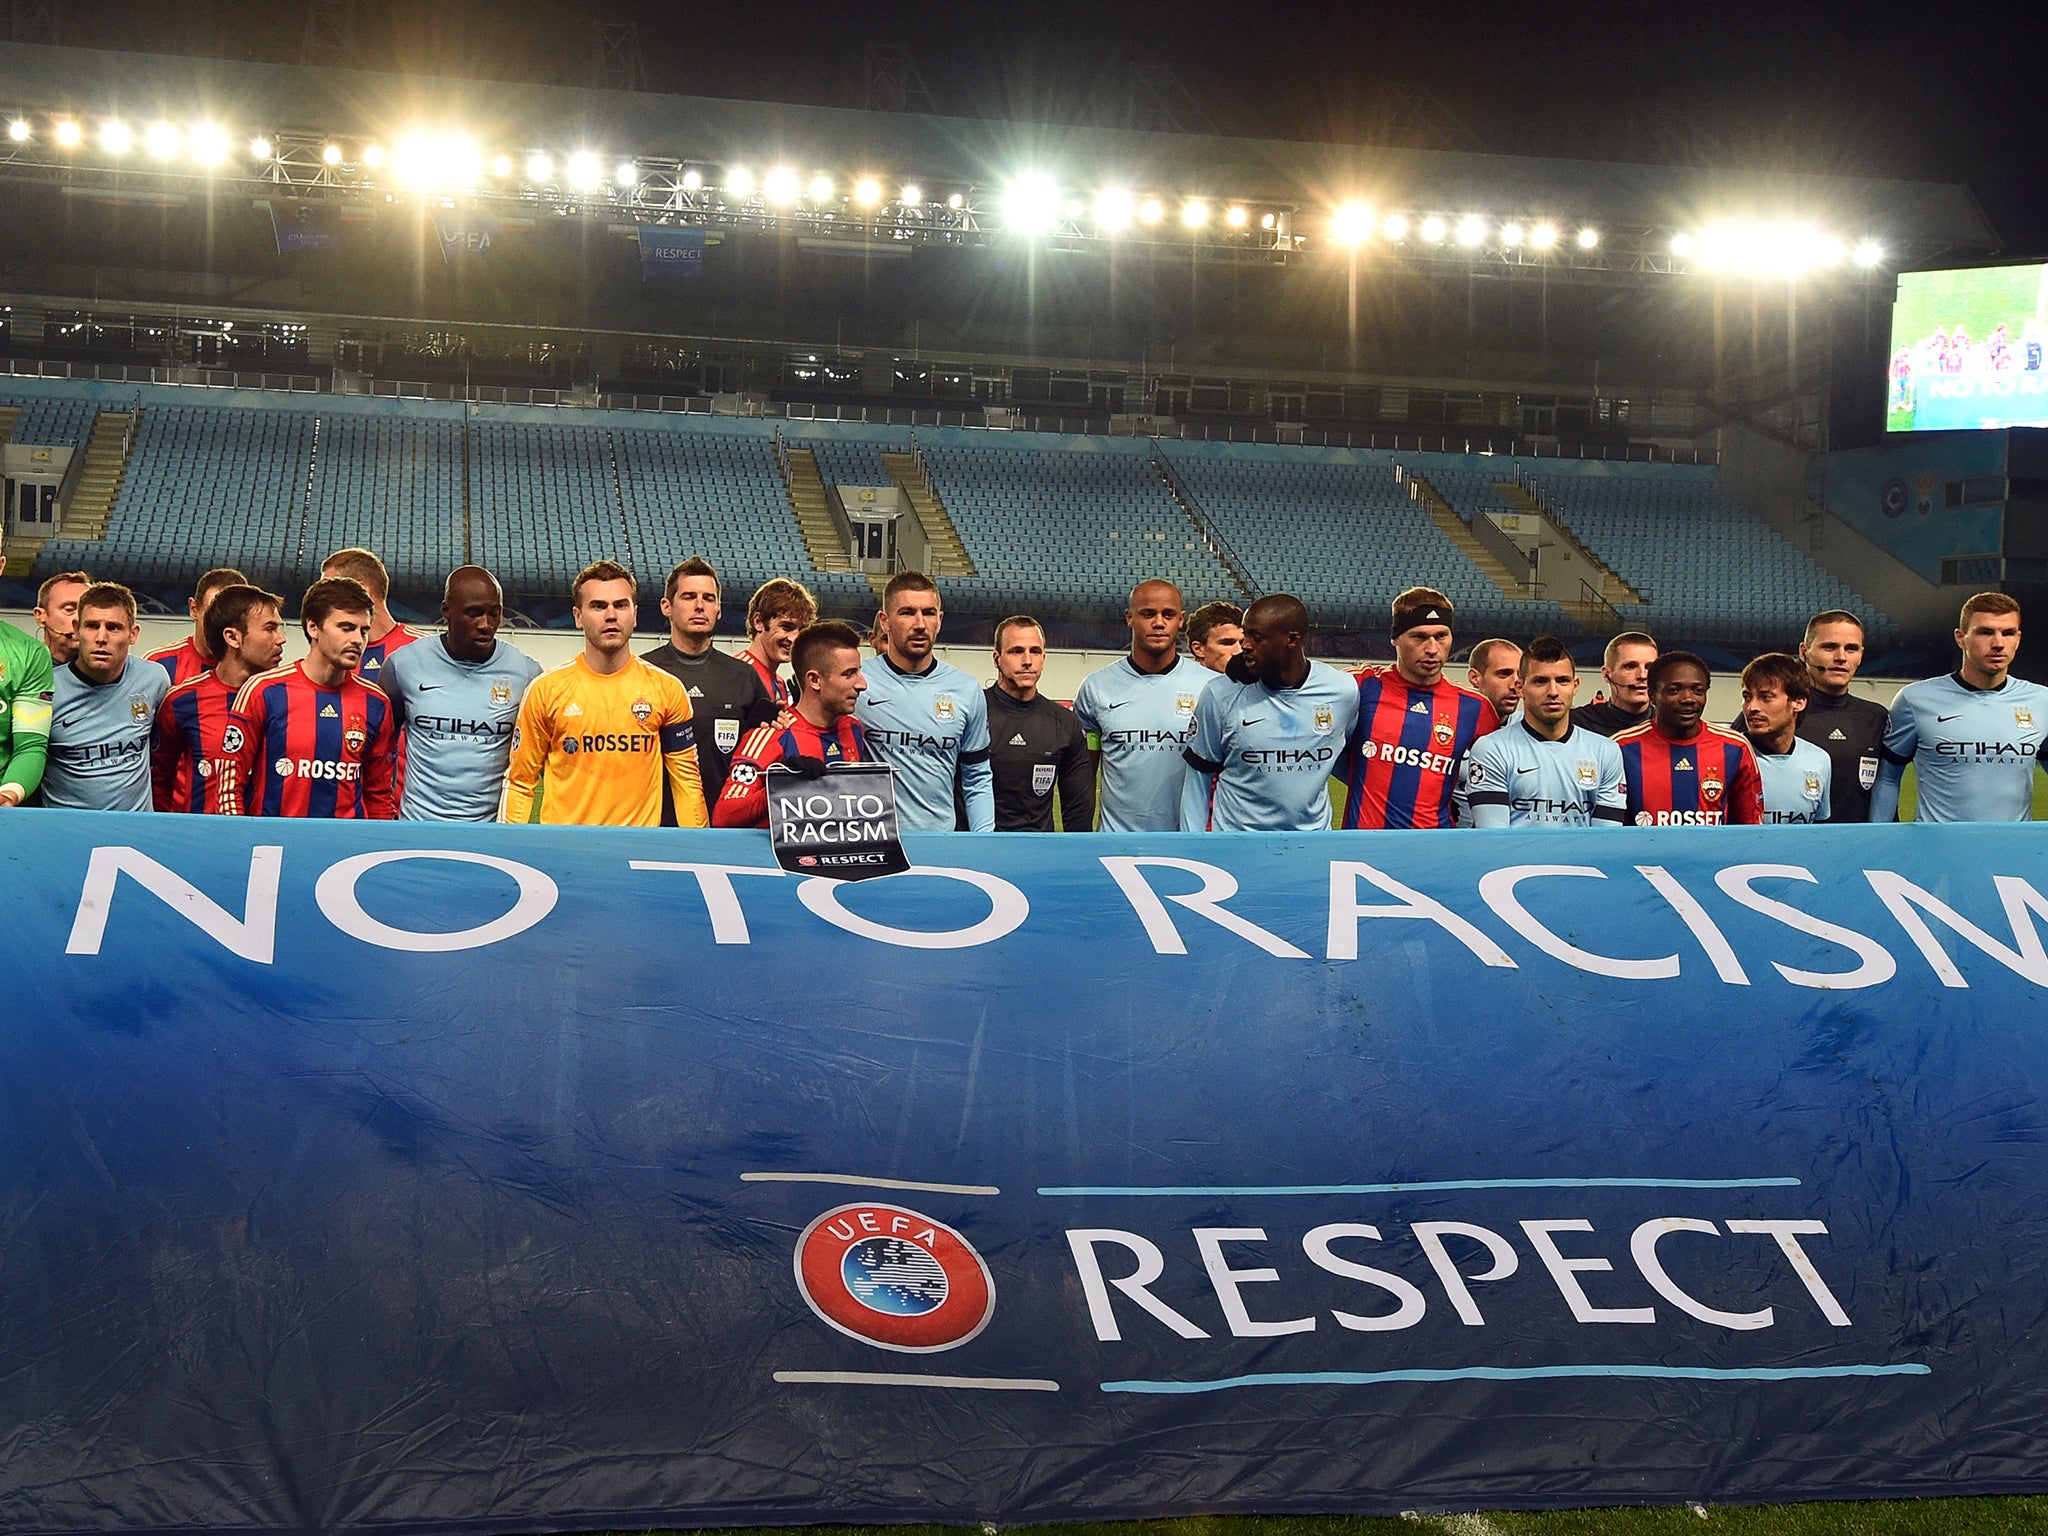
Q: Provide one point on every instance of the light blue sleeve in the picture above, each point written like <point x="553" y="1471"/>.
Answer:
<point x="1901" y="740"/>
<point x="977" y="779"/>
<point x="1612" y="794"/>
<point x="1827" y="787"/>
<point x="1206" y="743"/>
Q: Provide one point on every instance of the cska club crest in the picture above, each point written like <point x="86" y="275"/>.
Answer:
<point x="641" y="710"/>
<point x="1441" y="733"/>
<point x="1710" y="787"/>
<point x="354" y="737"/>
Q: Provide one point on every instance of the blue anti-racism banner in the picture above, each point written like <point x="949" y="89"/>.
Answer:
<point x="524" y="1178"/>
<point x="668" y="253"/>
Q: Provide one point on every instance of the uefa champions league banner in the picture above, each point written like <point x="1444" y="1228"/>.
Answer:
<point x="517" y="1178"/>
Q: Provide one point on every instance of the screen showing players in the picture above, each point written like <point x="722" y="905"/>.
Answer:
<point x="1966" y="350"/>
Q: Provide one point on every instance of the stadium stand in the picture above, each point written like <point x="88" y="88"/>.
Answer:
<point x="47" y="422"/>
<point x="1062" y="526"/>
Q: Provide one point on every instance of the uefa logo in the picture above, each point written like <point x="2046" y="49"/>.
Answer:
<point x="894" y="1278"/>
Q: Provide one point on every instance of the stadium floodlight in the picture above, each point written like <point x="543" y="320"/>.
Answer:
<point x="867" y="192"/>
<point x="956" y="202"/>
<point x="912" y="196"/>
<point x="586" y="171"/>
<point x="1543" y="236"/>
<point x="1433" y="230"/>
<point x="260" y="148"/>
<point x="1236" y="217"/>
<point x="1512" y="235"/>
<point x="1681" y="244"/>
<point x="1194" y="213"/>
<point x="781" y="187"/>
<point x="502" y="166"/>
<point x="821" y="188"/>
<point x="1074" y="208"/>
<point x="1471" y="230"/>
<point x="18" y="131"/>
<point x="739" y="181"/>
<point x="115" y="137"/>
<point x="68" y="134"/>
<point x="1031" y="204"/>
<point x="209" y="144"/>
<point x="330" y="154"/>
<point x="1114" y="211"/>
<point x="1868" y="254"/>
<point x="693" y="181"/>
<point x="1267" y="221"/>
<point x="539" y="167"/>
<point x="626" y="174"/>
<point x="1396" y="226"/>
<point x="373" y="156"/>
<point x="1351" y="224"/>
<point x="1151" y="211"/>
<point x="1588" y="238"/>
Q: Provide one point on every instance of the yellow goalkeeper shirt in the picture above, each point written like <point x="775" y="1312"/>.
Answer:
<point x="602" y="743"/>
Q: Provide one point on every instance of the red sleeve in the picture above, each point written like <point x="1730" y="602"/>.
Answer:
<point x="164" y="753"/>
<point x="247" y="715"/>
<point x="1747" y="809"/>
<point x="744" y="800"/>
<point x="380" y="766"/>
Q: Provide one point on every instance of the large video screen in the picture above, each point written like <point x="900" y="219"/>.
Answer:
<point x="1966" y="350"/>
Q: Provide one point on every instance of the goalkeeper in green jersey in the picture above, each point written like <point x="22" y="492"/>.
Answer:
<point x="24" y="714"/>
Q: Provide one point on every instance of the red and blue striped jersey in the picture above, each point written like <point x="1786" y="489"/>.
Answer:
<point x="1709" y="781"/>
<point x="744" y="800"/>
<point x="314" y="751"/>
<point x="1402" y="761"/>
<point x="195" y="761"/>
<point x="182" y="661"/>
<point x="371" y="668"/>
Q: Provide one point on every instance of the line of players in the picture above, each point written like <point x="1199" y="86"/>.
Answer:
<point x="371" y="723"/>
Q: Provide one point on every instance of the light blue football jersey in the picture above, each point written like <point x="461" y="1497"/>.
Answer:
<point x="1260" y="759"/>
<point x="931" y="727"/>
<point x="458" y="718"/>
<point x="100" y="737"/>
<point x="1516" y="778"/>
<point x="1798" y="785"/>
<point x="1976" y="750"/>
<point x="1141" y="723"/>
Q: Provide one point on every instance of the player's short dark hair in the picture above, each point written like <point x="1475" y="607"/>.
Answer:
<point x="1281" y="608"/>
<point x="1208" y="616"/>
<point x="600" y="570"/>
<point x="778" y="597"/>
<point x="1669" y="659"/>
<point x="1482" y="653"/>
<point x="1788" y="672"/>
<point x="333" y="594"/>
<point x="1831" y="616"/>
<point x="696" y="565"/>
<point x="231" y="609"/>
<point x="220" y="576"/>
<point x="817" y="639"/>
<point x="1626" y="637"/>
<point x="1014" y="621"/>
<point x="1987" y="602"/>
<point x="906" y="581"/>
<point x="363" y="567"/>
<point x="1420" y="605"/>
<point x="50" y="583"/>
<point x="1544" y="650"/>
<point x="107" y="594"/>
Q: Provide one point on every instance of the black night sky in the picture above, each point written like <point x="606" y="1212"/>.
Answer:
<point x="1934" y="92"/>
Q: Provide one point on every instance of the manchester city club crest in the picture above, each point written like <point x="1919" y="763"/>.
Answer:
<point x="138" y="708"/>
<point x="1589" y="776"/>
<point x="641" y="710"/>
<point x="1326" y="720"/>
<point x="942" y="706"/>
<point x="1813" y="787"/>
<point x="2023" y="718"/>
<point x="1184" y="704"/>
<point x="894" y="1278"/>
<point x="501" y="693"/>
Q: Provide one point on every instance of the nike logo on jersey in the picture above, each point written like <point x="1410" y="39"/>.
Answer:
<point x="428" y="687"/>
<point x="1119" y="704"/>
<point x="1944" y="719"/>
<point x="1525" y="770"/>
<point x="65" y="725"/>
<point x="1255" y="720"/>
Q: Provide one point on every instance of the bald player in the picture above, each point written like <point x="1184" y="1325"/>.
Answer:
<point x="1138" y="712"/>
<point x="457" y="699"/>
<point x="1495" y="669"/>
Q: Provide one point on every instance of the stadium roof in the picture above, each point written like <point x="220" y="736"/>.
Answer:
<point x="1916" y="221"/>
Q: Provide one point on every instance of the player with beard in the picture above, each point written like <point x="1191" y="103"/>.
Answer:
<point x="1495" y="670"/>
<point x="1795" y="773"/>
<point x="1541" y="770"/>
<point x="925" y="719"/>
<point x="195" y="761"/>
<point x="1683" y="772"/>
<point x="1267" y="733"/>
<point x="819" y="731"/>
<point x="387" y="635"/>
<point x="1138" y="712"/>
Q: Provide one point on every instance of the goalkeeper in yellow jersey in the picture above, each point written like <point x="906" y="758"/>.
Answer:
<point x="600" y="731"/>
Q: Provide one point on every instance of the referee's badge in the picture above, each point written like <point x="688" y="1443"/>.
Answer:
<point x="1326" y="719"/>
<point x="1041" y="778"/>
<point x="1866" y="772"/>
<point x="725" y="734"/>
<point x="1589" y="775"/>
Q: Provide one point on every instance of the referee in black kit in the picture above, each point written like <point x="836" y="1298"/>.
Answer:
<point x="1034" y="743"/>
